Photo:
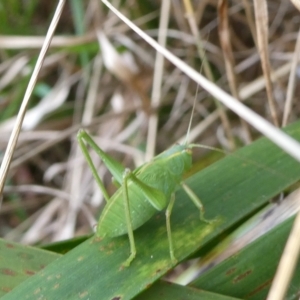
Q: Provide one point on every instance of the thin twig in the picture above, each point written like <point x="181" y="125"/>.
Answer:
<point x="292" y="82"/>
<point x="17" y="128"/>
<point x="157" y="79"/>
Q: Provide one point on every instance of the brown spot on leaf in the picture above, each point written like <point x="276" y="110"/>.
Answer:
<point x="241" y="276"/>
<point x="83" y="294"/>
<point x="96" y="239"/>
<point x="10" y="245"/>
<point x="230" y="271"/>
<point x="25" y="255"/>
<point x="8" y="272"/>
<point x="116" y="298"/>
<point x="259" y="288"/>
<point x="36" y="291"/>
<point x="111" y="245"/>
<point x="56" y="286"/>
<point x="29" y="272"/>
<point x="5" y="289"/>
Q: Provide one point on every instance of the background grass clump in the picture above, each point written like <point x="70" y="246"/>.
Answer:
<point x="99" y="75"/>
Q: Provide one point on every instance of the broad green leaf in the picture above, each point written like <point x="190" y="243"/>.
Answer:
<point x="65" y="246"/>
<point x="230" y="189"/>
<point x="249" y="273"/>
<point x="19" y="262"/>
<point x="22" y="261"/>
<point x="166" y="290"/>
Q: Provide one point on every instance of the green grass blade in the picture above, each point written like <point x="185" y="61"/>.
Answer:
<point x="166" y="290"/>
<point x="65" y="246"/>
<point x="231" y="190"/>
<point x="249" y="273"/>
<point x="20" y="262"/>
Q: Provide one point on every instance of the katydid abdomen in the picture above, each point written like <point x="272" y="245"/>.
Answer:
<point x="112" y="221"/>
<point x="164" y="173"/>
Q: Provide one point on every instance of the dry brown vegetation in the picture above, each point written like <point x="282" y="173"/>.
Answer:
<point x="98" y="74"/>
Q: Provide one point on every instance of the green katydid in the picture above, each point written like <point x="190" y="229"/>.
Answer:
<point x="142" y="192"/>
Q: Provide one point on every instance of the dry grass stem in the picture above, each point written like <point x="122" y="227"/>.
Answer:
<point x="277" y="136"/>
<point x="287" y="264"/>
<point x="224" y="33"/>
<point x="261" y="17"/>
<point x="157" y="79"/>
<point x="16" y="130"/>
<point x="21" y="42"/>
<point x="207" y="70"/>
<point x="291" y="85"/>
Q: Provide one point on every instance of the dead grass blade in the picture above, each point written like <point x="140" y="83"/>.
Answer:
<point x="224" y="34"/>
<point x="296" y="3"/>
<point x="207" y="69"/>
<point x="261" y="18"/>
<point x="287" y="264"/>
<point x="250" y="19"/>
<point x="284" y="141"/>
<point x="16" y="131"/>
<point x="13" y="68"/>
<point x="157" y="79"/>
<point x="29" y="42"/>
<point x="291" y="84"/>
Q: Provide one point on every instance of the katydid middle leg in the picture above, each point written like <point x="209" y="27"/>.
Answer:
<point x="126" y="175"/>
<point x="196" y="201"/>
<point x="198" y="204"/>
<point x="169" y="232"/>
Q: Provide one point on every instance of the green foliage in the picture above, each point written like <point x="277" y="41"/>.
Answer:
<point x="13" y="12"/>
<point x="231" y="189"/>
<point x="19" y="262"/>
<point x="249" y="273"/>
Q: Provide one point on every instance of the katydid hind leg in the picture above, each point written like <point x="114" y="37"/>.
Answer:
<point x="115" y="168"/>
<point x="126" y="175"/>
<point x="169" y="231"/>
<point x="154" y="196"/>
<point x="195" y="199"/>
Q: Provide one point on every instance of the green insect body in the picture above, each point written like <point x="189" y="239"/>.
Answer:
<point x="142" y="192"/>
<point x="163" y="173"/>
